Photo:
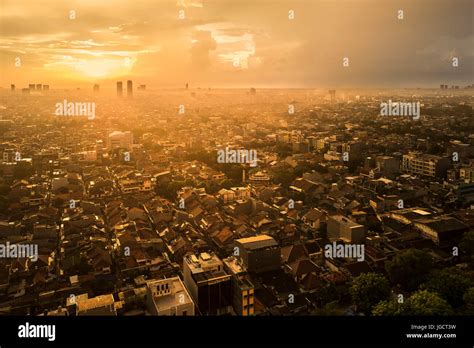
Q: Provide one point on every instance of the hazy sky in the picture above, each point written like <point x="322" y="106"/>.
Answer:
<point x="237" y="43"/>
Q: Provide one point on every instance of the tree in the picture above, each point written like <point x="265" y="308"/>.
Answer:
<point x="368" y="289"/>
<point x="424" y="302"/>
<point x="421" y="302"/>
<point x="450" y="283"/>
<point x="469" y="301"/>
<point x="467" y="246"/>
<point x="386" y="308"/>
<point x="283" y="150"/>
<point x="232" y="171"/>
<point x="409" y="268"/>
<point x="283" y="175"/>
<point x="169" y="190"/>
<point x="329" y="309"/>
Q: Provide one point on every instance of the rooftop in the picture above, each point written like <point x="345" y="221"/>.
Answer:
<point x="257" y="242"/>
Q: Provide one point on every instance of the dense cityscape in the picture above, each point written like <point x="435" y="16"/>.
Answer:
<point x="128" y="200"/>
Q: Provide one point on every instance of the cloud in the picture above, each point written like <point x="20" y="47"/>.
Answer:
<point x="203" y="43"/>
<point x="274" y="50"/>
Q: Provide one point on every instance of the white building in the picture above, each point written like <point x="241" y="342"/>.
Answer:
<point x="169" y="297"/>
<point x="117" y="139"/>
<point x="340" y="227"/>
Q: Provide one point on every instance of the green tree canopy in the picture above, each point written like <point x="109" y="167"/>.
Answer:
<point x="422" y="302"/>
<point x="409" y="268"/>
<point x="469" y="301"/>
<point x="368" y="289"/>
<point x="450" y="283"/>
<point x="467" y="246"/>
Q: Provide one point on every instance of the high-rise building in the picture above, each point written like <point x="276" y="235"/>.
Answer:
<point x="119" y="89"/>
<point x="259" y="254"/>
<point x="12" y="88"/>
<point x="45" y="87"/>
<point x="39" y="86"/>
<point x="208" y="283"/>
<point x="129" y="88"/>
<point x="187" y="86"/>
<point x="96" y="88"/>
<point x="332" y="95"/>
<point x="142" y="87"/>
<point x="243" y="291"/>
<point x="32" y="87"/>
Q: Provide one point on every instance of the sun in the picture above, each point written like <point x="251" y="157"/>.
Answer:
<point x="103" y="67"/>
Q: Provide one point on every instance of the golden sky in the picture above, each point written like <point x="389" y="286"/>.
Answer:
<point x="236" y="43"/>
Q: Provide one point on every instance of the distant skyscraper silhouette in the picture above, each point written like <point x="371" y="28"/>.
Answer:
<point x="332" y="94"/>
<point x="32" y="86"/>
<point x="187" y="85"/>
<point x="96" y="88"/>
<point x="12" y="88"/>
<point x="129" y="88"/>
<point x="45" y="87"/>
<point x="119" y="89"/>
<point x="39" y="87"/>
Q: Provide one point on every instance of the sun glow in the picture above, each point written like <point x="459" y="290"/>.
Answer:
<point x="103" y="67"/>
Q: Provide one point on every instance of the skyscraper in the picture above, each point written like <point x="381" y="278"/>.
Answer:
<point x="119" y="89"/>
<point x="45" y="87"/>
<point x="39" y="86"/>
<point x="32" y="87"/>
<point x="332" y="94"/>
<point x="12" y="87"/>
<point x="97" y="87"/>
<point x="129" y="88"/>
